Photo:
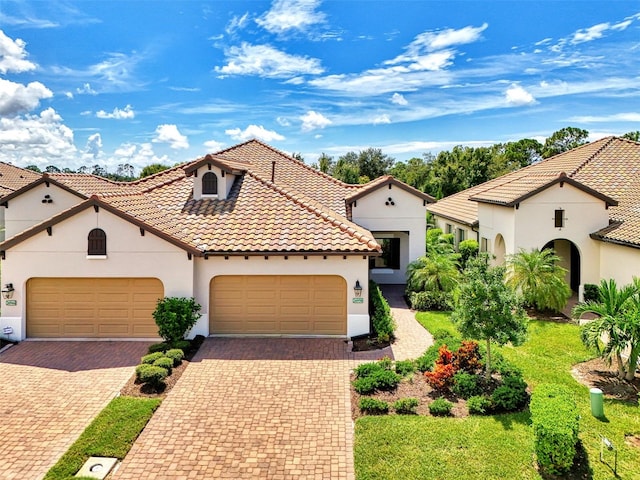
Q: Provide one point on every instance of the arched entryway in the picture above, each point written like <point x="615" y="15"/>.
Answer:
<point x="499" y="250"/>
<point x="570" y="260"/>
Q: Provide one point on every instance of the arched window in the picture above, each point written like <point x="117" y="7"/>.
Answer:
<point x="97" y="242"/>
<point x="209" y="184"/>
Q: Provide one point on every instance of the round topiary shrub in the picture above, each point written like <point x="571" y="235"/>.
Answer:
<point x="406" y="406"/>
<point x="440" y="407"/>
<point x="479" y="405"/>
<point x="511" y="395"/>
<point x="176" y="355"/>
<point x="166" y="363"/>
<point x="373" y="406"/>
<point x="158" y="347"/>
<point x="174" y="317"/>
<point x="152" y="375"/>
<point x="466" y="385"/>
<point x="152" y="357"/>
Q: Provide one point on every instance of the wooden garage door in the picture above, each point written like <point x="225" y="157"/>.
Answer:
<point x="278" y="304"/>
<point x="92" y="307"/>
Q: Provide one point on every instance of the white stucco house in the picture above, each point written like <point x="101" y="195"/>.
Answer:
<point x="266" y="244"/>
<point x="585" y="203"/>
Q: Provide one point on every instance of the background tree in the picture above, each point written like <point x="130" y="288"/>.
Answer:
<point x="326" y="163"/>
<point x="416" y="172"/>
<point x="635" y="136"/>
<point x="52" y="169"/>
<point x="487" y="309"/>
<point x="153" y="169"/>
<point x="125" y="171"/>
<point x="372" y="163"/>
<point x="509" y="157"/>
<point x="617" y="327"/>
<point x="346" y="168"/>
<point x="537" y="275"/>
<point x="563" y="140"/>
<point x="33" y="168"/>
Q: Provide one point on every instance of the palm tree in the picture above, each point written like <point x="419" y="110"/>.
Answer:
<point x="617" y="327"/>
<point x="538" y="277"/>
<point x="434" y="272"/>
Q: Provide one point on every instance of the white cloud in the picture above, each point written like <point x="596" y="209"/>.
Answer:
<point x="313" y="120"/>
<point x="591" y="33"/>
<point x="16" y="98"/>
<point x="36" y="139"/>
<point x="616" y="117"/>
<point x="169" y="134"/>
<point x="117" y="114"/>
<point x="266" y="61"/>
<point x="398" y="99"/>
<point x="86" y="89"/>
<point x="381" y="119"/>
<point x="516" y="95"/>
<point x="137" y="154"/>
<point x="237" y="23"/>
<point x="286" y="15"/>
<point x="13" y="55"/>
<point x="69" y="95"/>
<point x="254" y="131"/>
<point x="283" y="121"/>
<point x="214" y="145"/>
<point x="94" y="145"/>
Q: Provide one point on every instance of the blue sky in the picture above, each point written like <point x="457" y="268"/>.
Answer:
<point x="139" y="82"/>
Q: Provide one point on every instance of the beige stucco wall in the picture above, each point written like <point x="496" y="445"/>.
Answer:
<point x="354" y="267"/>
<point x="618" y="262"/>
<point x="64" y="254"/>
<point x="443" y="223"/>
<point x="497" y="221"/>
<point x="408" y="214"/>
<point x="27" y="209"/>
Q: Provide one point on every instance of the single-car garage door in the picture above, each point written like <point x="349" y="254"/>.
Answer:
<point x="278" y="304"/>
<point x="92" y="307"/>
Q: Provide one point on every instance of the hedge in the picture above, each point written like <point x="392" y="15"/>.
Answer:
<point x="555" y="420"/>
<point x="383" y="325"/>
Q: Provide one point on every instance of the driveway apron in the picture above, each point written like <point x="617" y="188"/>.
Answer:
<point x="50" y="392"/>
<point x="259" y="408"/>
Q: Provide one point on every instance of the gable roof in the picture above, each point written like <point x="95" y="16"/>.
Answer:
<point x="301" y="211"/>
<point x="608" y="169"/>
<point x="13" y="178"/>
<point x="383" y="181"/>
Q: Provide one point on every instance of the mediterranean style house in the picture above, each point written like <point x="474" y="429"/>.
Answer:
<point x="266" y="244"/>
<point x="585" y="203"/>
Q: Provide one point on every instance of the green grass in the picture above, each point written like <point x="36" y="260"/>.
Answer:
<point x="111" y="434"/>
<point x="399" y="447"/>
<point x="434" y="321"/>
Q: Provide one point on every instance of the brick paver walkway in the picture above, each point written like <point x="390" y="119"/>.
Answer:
<point x="412" y="339"/>
<point x="50" y="392"/>
<point x="258" y="408"/>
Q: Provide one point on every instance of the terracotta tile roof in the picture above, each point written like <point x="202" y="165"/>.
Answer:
<point x="13" y="178"/>
<point x="383" y="181"/>
<point x="609" y="167"/>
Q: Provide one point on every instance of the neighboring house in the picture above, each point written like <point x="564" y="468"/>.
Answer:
<point x="266" y="244"/>
<point x="11" y="179"/>
<point x="585" y="203"/>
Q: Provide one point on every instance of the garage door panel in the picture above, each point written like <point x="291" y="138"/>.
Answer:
<point x="92" y="307"/>
<point x="278" y="304"/>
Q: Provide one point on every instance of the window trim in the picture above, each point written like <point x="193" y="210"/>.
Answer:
<point x="558" y="218"/>
<point x="209" y="182"/>
<point x="97" y="246"/>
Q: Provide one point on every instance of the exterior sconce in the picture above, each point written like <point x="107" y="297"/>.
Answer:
<point x="357" y="290"/>
<point x="8" y="290"/>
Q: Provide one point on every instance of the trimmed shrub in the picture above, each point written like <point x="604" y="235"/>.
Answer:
<point x="479" y="405"/>
<point x="508" y="369"/>
<point x="174" y="317"/>
<point x="443" y="370"/>
<point x="184" y="345"/>
<point x="152" y="357"/>
<point x="158" y="347"/>
<point x="366" y="369"/>
<point x="364" y="385"/>
<point x="140" y="368"/>
<point x="405" y="367"/>
<point x="153" y="375"/>
<point x="427" y="360"/>
<point x="385" y="363"/>
<point x="466" y="385"/>
<point x="430" y="300"/>
<point x="467" y="357"/>
<point x="378" y="380"/>
<point x="373" y="406"/>
<point x="511" y="395"/>
<point x="467" y="249"/>
<point x="440" y="407"/>
<point x="166" y="363"/>
<point x="406" y="406"/>
<point x="383" y="324"/>
<point x="176" y="355"/>
<point x="591" y="292"/>
<point x="556" y="422"/>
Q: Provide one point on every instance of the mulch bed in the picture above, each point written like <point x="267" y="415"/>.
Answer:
<point x="133" y="388"/>
<point x="597" y="374"/>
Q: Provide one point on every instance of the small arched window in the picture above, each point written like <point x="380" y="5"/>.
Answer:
<point x="209" y="184"/>
<point x="97" y="242"/>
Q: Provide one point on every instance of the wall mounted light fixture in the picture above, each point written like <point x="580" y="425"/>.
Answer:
<point x="7" y="291"/>
<point x="357" y="290"/>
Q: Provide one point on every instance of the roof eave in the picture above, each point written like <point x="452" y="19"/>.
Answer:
<point x="473" y="224"/>
<point x="366" y="189"/>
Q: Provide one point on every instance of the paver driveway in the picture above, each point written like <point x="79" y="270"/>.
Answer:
<point x="50" y="392"/>
<point x="256" y="408"/>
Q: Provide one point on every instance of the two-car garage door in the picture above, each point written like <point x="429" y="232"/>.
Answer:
<point x="92" y="307"/>
<point x="278" y="304"/>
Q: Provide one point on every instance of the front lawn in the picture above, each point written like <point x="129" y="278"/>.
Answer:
<point x="409" y="447"/>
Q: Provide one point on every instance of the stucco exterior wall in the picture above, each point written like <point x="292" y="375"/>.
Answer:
<point x="225" y="182"/>
<point x="618" y="262"/>
<point x="27" y="209"/>
<point x="354" y="267"/>
<point x="64" y="254"/>
<point x="497" y="220"/>
<point x="407" y="214"/>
